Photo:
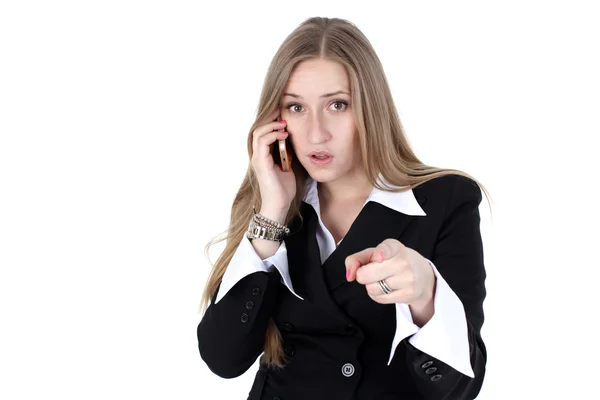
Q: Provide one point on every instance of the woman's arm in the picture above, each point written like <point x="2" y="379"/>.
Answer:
<point x="458" y="256"/>
<point x="231" y="333"/>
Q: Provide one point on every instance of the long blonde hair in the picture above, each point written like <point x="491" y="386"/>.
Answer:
<point x="386" y="152"/>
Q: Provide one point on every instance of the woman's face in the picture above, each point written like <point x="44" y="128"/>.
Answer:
<point x="316" y="104"/>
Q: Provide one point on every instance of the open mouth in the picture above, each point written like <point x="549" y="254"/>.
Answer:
<point x="321" y="159"/>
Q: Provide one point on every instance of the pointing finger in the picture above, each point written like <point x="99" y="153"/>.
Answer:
<point x="357" y="260"/>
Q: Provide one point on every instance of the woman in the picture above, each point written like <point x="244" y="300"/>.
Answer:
<point x="371" y="282"/>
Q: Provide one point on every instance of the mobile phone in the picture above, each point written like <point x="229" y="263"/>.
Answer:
<point x="284" y="157"/>
<point x="283" y="150"/>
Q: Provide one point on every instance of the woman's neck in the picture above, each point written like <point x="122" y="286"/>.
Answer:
<point x="340" y="191"/>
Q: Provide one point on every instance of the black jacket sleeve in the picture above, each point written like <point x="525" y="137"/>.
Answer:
<point x="231" y="334"/>
<point x="458" y="256"/>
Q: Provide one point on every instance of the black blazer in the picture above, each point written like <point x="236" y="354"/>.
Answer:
<point x="337" y="339"/>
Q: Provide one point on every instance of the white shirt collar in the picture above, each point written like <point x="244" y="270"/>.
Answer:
<point x="403" y="202"/>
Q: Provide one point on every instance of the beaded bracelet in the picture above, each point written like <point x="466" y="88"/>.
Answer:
<point x="261" y="227"/>
<point x="264" y="221"/>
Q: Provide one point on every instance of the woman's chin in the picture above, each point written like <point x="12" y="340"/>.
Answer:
<point x="322" y="176"/>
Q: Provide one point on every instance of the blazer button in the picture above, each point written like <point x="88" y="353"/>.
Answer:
<point x="427" y="364"/>
<point x="436" y="377"/>
<point x="350" y="330"/>
<point x="289" y="351"/>
<point x="276" y="398"/>
<point x="249" y="305"/>
<point x="431" y="370"/>
<point x="244" y="318"/>
<point x="256" y="291"/>
<point x="348" y="370"/>
<point x="287" y="327"/>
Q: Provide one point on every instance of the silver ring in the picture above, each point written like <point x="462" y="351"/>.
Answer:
<point x="384" y="286"/>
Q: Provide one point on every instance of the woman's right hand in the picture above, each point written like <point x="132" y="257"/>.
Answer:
<point x="277" y="188"/>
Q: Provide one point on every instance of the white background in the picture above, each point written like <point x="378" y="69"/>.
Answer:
<point x="123" y="141"/>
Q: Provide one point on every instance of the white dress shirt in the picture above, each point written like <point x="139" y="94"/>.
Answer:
<point x="444" y="336"/>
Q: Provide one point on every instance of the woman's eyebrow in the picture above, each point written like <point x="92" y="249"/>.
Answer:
<point x="322" y="96"/>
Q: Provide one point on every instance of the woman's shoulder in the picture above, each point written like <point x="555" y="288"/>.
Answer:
<point x="451" y="188"/>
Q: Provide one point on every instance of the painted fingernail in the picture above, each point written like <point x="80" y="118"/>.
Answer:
<point x="282" y="121"/>
<point x="347" y="274"/>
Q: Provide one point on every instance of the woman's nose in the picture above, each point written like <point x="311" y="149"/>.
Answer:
<point x="317" y="130"/>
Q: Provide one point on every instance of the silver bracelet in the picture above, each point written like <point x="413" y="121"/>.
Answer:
<point x="256" y="231"/>
<point x="264" y="221"/>
<point x="261" y="227"/>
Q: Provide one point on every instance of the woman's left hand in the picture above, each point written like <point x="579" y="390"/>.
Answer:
<point x="408" y="274"/>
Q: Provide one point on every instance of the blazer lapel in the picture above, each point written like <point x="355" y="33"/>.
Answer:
<point x="315" y="282"/>
<point x="305" y="264"/>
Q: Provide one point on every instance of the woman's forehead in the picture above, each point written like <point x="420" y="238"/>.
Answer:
<point x="317" y="79"/>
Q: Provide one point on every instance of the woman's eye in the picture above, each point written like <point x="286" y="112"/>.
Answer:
<point x="343" y="103"/>
<point x="296" y="108"/>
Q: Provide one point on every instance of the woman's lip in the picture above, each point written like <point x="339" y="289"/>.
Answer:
<point x="318" y="161"/>
<point x="324" y="153"/>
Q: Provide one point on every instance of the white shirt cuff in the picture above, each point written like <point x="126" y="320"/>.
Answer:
<point x="404" y="327"/>
<point x="246" y="261"/>
<point x="445" y="335"/>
